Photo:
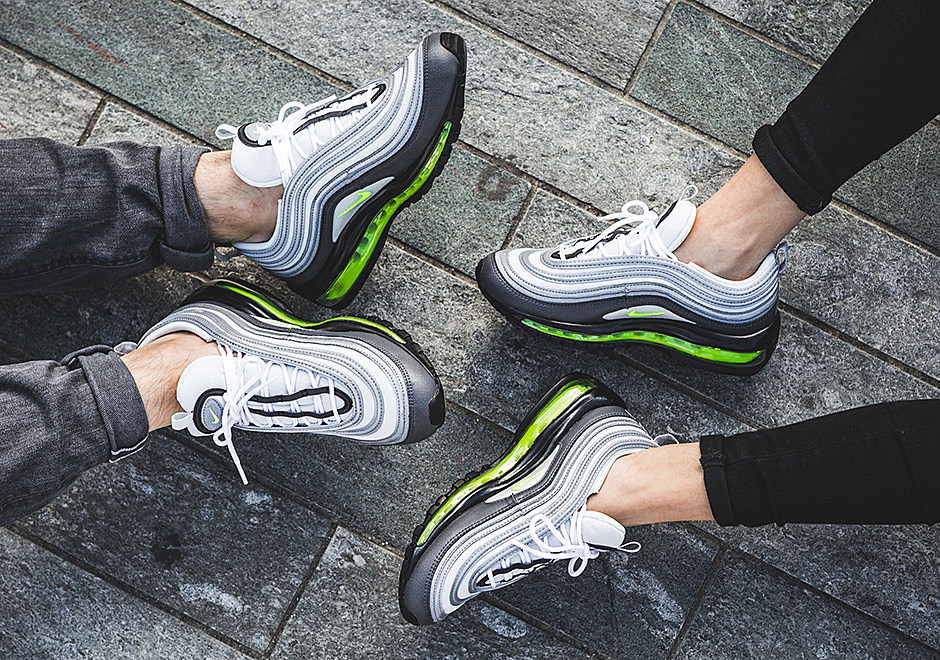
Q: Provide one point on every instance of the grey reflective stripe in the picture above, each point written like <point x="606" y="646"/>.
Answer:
<point x="345" y="359"/>
<point x="538" y="276"/>
<point x="364" y="146"/>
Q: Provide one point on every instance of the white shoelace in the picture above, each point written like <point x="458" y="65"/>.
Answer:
<point x="570" y="546"/>
<point x="616" y="241"/>
<point x="240" y="388"/>
<point x="285" y="143"/>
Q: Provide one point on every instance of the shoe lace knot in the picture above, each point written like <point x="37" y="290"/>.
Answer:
<point x="632" y="232"/>
<point x="318" y="123"/>
<point x="544" y="543"/>
<point x="311" y="399"/>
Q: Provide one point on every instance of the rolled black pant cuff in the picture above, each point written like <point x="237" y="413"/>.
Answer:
<point x="774" y="160"/>
<point x="119" y="403"/>
<point x="185" y="245"/>
<point x="716" y="481"/>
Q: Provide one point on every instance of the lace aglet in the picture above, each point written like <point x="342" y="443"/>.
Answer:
<point x="241" y="473"/>
<point x="238" y="464"/>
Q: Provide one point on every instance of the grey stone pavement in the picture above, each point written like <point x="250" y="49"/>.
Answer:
<point x="570" y="112"/>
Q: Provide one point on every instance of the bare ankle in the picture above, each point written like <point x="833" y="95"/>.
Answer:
<point x="740" y="224"/>
<point x="661" y="484"/>
<point x="719" y="249"/>
<point x="235" y="212"/>
<point x="156" y="369"/>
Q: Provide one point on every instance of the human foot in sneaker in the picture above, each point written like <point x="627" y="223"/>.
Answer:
<point x="529" y="508"/>
<point x="625" y="284"/>
<point x="349" y="377"/>
<point x="349" y="165"/>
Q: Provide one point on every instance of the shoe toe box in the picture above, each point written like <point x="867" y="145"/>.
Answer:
<point x="498" y="289"/>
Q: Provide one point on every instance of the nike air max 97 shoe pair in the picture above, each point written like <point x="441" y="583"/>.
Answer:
<point x="350" y="377"/>
<point x="528" y="509"/>
<point x="349" y="165"/>
<point x="626" y="285"/>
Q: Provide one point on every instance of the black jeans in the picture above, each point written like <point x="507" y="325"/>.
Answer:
<point x="876" y="464"/>
<point x="74" y="217"/>
<point x="879" y="86"/>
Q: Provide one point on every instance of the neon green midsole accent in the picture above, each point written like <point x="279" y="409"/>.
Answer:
<point x="376" y="229"/>
<point x="546" y="416"/>
<point x="695" y="350"/>
<point x="281" y="315"/>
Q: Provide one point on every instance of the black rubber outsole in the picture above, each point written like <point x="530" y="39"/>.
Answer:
<point x="456" y="45"/>
<point x="706" y="365"/>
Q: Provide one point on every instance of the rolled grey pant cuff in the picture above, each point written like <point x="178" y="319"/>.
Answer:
<point x="186" y="245"/>
<point x="119" y="403"/>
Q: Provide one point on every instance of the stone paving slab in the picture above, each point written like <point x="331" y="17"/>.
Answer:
<point x="624" y="605"/>
<point x="728" y="83"/>
<point x="718" y="78"/>
<point x="811" y="28"/>
<point x="182" y="529"/>
<point x="869" y="284"/>
<point x="889" y="572"/>
<point x="750" y="612"/>
<point x="35" y="101"/>
<point x="117" y="123"/>
<point x="350" y="610"/>
<point x="382" y="490"/>
<point x="467" y="213"/>
<point x="192" y="74"/>
<point x="51" y="325"/>
<point x="52" y="609"/>
<point x="810" y="374"/>
<point x="546" y="121"/>
<point x="7" y="357"/>
<point x="550" y="220"/>
<point x="901" y="188"/>
<point x="600" y="38"/>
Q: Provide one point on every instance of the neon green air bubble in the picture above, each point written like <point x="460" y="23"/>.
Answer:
<point x="376" y="229"/>
<point x="695" y="350"/>
<point x="281" y="315"/>
<point x="546" y="416"/>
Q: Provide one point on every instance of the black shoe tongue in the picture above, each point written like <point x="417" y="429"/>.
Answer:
<point x="207" y="413"/>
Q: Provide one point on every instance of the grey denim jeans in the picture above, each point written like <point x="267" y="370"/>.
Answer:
<point x="77" y="217"/>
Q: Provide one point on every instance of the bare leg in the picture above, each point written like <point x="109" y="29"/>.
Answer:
<point x="874" y="465"/>
<point x="235" y="212"/>
<point x="740" y="224"/>
<point x="157" y="368"/>
<point x="662" y="484"/>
